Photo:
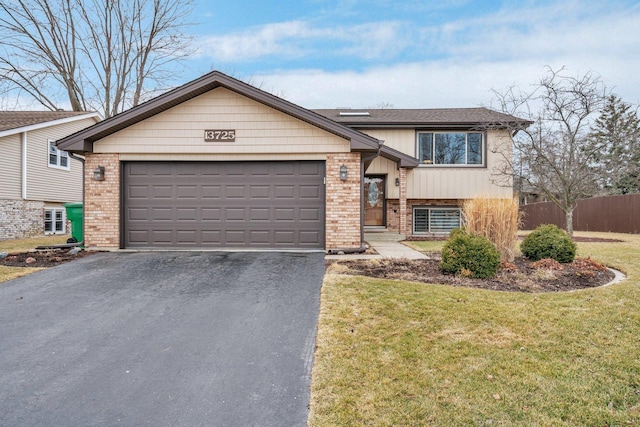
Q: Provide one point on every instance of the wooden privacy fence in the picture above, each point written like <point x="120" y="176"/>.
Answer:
<point x="619" y="214"/>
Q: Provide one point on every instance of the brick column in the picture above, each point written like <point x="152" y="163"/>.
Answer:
<point x="102" y="202"/>
<point x="402" y="199"/>
<point x="343" y="202"/>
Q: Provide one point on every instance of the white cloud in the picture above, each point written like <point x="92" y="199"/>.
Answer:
<point x="454" y="64"/>
<point x="299" y="38"/>
<point x="474" y="56"/>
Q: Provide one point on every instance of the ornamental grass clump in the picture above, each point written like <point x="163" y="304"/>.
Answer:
<point x="548" y="241"/>
<point x="470" y="255"/>
<point x="495" y="219"/>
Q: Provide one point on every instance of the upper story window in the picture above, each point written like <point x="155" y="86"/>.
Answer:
<point x="450" y="148"/>
<point x="58" y="158"/>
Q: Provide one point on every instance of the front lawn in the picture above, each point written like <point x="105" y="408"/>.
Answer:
<point x="405" y="353"/>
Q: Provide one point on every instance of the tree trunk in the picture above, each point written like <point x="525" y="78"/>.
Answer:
<point x="569" y="222"/>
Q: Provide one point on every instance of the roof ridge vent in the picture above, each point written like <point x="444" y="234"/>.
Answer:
<point x="354" y="114"/>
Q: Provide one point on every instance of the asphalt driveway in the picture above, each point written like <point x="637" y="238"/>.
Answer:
<point x="161" y="338"/>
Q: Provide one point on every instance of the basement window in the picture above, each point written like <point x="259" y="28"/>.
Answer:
<point x="435" y="219"/>
<point x="54" y="221"/>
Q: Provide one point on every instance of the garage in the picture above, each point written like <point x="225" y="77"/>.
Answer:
<point x="218" y="163"/>
<point x="241" y="204"/>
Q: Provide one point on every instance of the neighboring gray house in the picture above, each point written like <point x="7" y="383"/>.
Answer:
<point x="37" y="178"/>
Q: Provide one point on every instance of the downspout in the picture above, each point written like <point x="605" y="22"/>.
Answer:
<point x="81" y="160"/>
<point x="23" y="141"/>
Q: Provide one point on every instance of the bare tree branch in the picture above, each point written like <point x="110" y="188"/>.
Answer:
<point x="552" y="156"/>
<point x="91" y="54"/>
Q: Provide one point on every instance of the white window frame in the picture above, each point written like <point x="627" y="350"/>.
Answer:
<point x="52" y="150"/>
<point x="483" y="148"/>
<point x="54" y="219"/>
<point x="429" y="219"/>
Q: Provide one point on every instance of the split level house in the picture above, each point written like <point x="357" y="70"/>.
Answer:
<point x="218" y="163"/>
<point x="37" y="177"/>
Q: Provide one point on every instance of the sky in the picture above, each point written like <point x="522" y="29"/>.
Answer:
<point x="414" y="54"/>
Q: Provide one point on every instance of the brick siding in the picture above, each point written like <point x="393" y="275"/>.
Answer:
<point x="20" y="219"/>
<point x="102" y="202"/>
<point x="343" y="202"/>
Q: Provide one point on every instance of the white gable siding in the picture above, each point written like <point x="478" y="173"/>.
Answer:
<point x="260" y="131"/>
<point x="10" y="167"/>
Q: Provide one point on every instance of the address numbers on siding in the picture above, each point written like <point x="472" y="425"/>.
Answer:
<point x="226" y="135"/>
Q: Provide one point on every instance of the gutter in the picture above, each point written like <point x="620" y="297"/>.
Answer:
<point x="23" y="141"/>
<point x="81" y="160"/>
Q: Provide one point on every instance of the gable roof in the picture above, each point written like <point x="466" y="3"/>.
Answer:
<point x="415" y="118"/>
<point x="12" y="122"/>
<point x="83" y="141"/>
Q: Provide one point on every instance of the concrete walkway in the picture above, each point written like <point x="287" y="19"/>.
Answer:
<point x="387" y="245"/>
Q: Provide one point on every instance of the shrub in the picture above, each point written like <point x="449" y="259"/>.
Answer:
<point x="469" y="255"/>
<point x="548" y="241"/>
<point x="495" y="219"/>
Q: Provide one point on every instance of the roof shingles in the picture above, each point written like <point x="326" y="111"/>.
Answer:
<point x="19" y="119"/>
<point x="419" y="117"/>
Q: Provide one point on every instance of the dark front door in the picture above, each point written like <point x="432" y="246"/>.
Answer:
<point x="374" y="200"/>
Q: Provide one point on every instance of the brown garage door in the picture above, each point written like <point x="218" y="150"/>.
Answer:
<point x="224" y="204"/>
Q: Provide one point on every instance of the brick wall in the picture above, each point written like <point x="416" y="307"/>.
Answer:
<point x="20" y="218"/>
<point x="343" y="202"/>
<point x="102" y="202"/>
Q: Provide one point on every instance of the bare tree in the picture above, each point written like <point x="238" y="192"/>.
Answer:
<point x="102" y="55"/>
<point x="553" y="156"/>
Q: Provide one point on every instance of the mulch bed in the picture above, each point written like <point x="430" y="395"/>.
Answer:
<point x="43" y="258"/>
<point x="575" y="239"/>
<point x="520" y="276"/>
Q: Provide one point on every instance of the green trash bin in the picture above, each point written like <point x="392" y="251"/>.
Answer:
<point x="75" y="216"/>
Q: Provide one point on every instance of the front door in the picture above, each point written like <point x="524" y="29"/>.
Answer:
<point x="374" y="200"/>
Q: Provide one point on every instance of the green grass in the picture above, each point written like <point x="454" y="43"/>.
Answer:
<point x="403" y="353"/>
<point x="23" y="245"/>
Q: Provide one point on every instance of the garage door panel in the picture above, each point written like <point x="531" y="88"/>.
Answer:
<point x="235" y="192"/>
<point x="186" y="191"/>
<point x="309" y="237"/>
<point x="260" y="192"/>
<point x="161" y="192"/>
<point x="284" y="237"/>
<point x="309" y="191"/>
<point x="211" y="191"/>
<point x="310" y="215"/>
<point x="284" y="214"/>
<point x="224" y="204"/>
<point x="211" y="214"/>
<point x="284" y="192"/>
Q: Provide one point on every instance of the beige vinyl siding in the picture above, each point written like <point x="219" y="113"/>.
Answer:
<point x="231" y="157"/>
<point x="259" y="130"/>
<point x="442" y="182"/>
<point x="11" y="167"/>
<point x="49" y="184"/>
<point x="400" y="139"/>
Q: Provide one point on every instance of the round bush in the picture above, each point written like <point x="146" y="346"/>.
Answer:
<point x="470" y="255"/>
<point x="548" y="241"/>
